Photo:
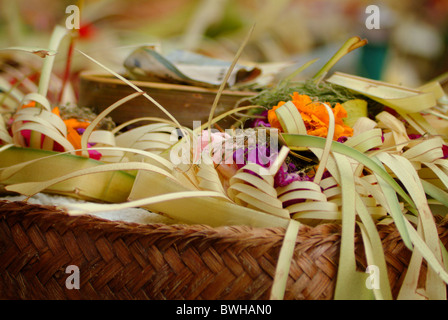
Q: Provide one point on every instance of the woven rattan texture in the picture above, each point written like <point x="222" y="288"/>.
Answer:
<point x="129" y="261"/>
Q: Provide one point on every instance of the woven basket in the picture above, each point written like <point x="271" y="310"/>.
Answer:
<point x="120" y="260"/>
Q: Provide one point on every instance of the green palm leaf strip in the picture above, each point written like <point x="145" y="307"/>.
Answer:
<point x="387" y="183"/>
<point x="350" y="283"/>
<point x="390" y="189"/>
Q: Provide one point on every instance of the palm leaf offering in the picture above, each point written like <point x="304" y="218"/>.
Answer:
<point x="340" y="149"/>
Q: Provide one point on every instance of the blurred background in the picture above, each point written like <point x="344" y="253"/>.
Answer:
<point x="409" y="48"/>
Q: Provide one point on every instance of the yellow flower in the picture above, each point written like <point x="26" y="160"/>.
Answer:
<point x="315" y="116"/>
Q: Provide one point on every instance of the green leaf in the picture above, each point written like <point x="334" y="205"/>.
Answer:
<point x="435" y="192"/>
<point x="350" y="45"/>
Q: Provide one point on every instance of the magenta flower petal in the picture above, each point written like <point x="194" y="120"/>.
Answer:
<point x="445" y="151"/>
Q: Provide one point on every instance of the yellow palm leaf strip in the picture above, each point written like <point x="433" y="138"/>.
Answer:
<point x="6" y="173"/>
<point x="409" y="288"/>
<point x="88" y="208"/>
<point x="432" y="173"/>
<point x="6" y="147"/>
<point x="426" y="151"/>
<point x="4" y="134"/>
<point x="49" y="132"/>
<point x="419" y="123"/>
<point x="409" y="178"/>
<point x="331" y="191"/>
<point x="216" y="211"/>
<point x="323" y="156"/>
<point x="226" y="78"/>
<point x="396" y="97"/>
<point x="413" y="124"/>
<point x="275" y="166"/>
<point x="155" y="137"/>
<point x="208" y="176"/>
<point x="373" y="244"/>
<point x="363" y="124"/>
<point x="443" y="163"/>
<point x="265" y="185"/>
<point x="327" y="148"/>
<point x="395" y="133"/>
<point x="58" y="34"/>
<point x="128" y="137"/>
<point x="123" y="125"/>
<point x="105" y="138"/>
<point x="374" y="253"/>
<point x="311" y="200"/>
<point x="133" y="86"/>
<point x="31" y="188"/>
<point x="330" y="187"/>
<point x="290" y="118"/>
<point x="222" y="116"/>
<point x="373" y="197"/>
<point x="145" y="156"/>
<point x="43" y="117"/>
<point x="365" y="140"/>
<point x="437" y="114"/>
<point x="39" y="98"/>
<point x="440" y="170"/>
<point x="154" y="141"/>
<point x="86" y="135"/>
<point x="370" y="184"/>
<point x="284" y="261"/>
<point x="256" y="189"/>
<point x="427" y="254"/>
<point x="350" y="283"/>
<point x="42" y="102"/>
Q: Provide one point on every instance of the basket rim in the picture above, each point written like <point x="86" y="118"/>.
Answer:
<point x="59" y="214"/>
<point x="179" y="233"/>
<point x="106" y="78"/>
<point x="315" y="247"/>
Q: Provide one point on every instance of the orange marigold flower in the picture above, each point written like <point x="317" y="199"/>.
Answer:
<point x="30" y="104"/>
<point x="272" y="117"/>
<point x="72" y="124"/>
<point x="315" y="116"/>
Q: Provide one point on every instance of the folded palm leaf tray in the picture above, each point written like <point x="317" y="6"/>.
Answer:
<point x="330" y="188"/>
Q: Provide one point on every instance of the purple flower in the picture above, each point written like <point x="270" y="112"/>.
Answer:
<point x="261" y="122"/>
<point x="259" y="154"/>
<point x="288" y="174"/>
